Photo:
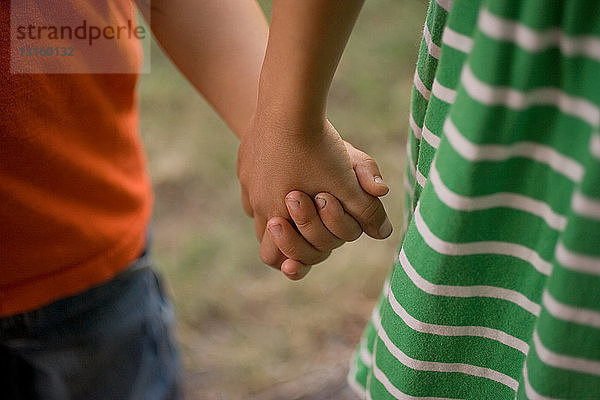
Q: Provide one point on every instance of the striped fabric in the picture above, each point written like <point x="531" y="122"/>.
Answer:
<point x="496" y="294"/>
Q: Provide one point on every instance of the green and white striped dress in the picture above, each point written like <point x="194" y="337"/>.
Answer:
<point x="496" y="293"/>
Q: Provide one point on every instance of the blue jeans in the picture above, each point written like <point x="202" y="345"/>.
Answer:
<point x="114" y="341"/>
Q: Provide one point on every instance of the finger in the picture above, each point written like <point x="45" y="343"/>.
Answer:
<point x="367" y="172"/>
<point x="269" y="252"/>
<point x="291" y="244"/>
<point x="368" y="211"/>
<point x="337" y="221"/>
<point x="309" y="224"/>
<point x="294" y="270"/>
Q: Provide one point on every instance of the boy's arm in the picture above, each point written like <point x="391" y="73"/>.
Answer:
<point x="290" y="145"/>
<point x="219" y="45"/>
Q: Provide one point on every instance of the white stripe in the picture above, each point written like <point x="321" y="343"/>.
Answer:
<point x="445" y="4"/>
<point x="576" y="261"/>
<point x="396" y="254"/>
<point x="421" y="86"/>
<point x="482" y="247"/>
<point x="595" y="145"/>
<point x="529" y="390"/>
<point x="370" y="374"/>
<point x="365" y="355"/>
<point x="521" y="100"/>
<point x="394" y="391"/>
<point x="431" y="138"/>
<point x="386" y="287"/>
<point x="457" y="41"/>
<point x="355" y="386"/>
<point x="376" y="321"/>
<point x="534" y="40"/>
<point x="558" y="162"/>
<point x="585" y="206"/>
<point x="368" y="391"/>
<point x="420" y="365"/>
<point x="415" y="128"/>
<point x="564" y="312"/>
<point x="509" y="200"/>
<point x="493" y="292"/>
<point x="408" y="187"/>
<point x="352" y="381"/>
<point x="411" y="167"/>
<point x="410" y="160"/>
<point x="561" y="361"/>
<point x="442" y="92"/>
<point x="421" y="180"/>
<point x="432" y="48"/>
<point x="447" y="330"/>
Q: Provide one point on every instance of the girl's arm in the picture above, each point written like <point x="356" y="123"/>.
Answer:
<point x="290" y="144"/>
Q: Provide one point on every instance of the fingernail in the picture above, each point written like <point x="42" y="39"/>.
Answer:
<point x="287" y="272"/>
<point x="379" y="180"/>
<point x="296" y="274"/>
<point x="321" y="202"/>
<point x="293" y="203"/>
<point x="275" y="229"/>
<point x="386" y="228"/>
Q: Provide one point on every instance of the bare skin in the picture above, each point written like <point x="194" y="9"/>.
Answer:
<point x="290" y="144"/>
<point x="287" y="144"/>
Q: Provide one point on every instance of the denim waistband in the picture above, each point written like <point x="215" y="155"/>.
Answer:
<point x="22" y="325"/>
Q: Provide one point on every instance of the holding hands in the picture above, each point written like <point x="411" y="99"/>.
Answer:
<point x="292" y="163"/>
<point x="307" y="173"/>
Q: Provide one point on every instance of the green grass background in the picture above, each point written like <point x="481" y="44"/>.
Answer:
<point x="243" y="328"/>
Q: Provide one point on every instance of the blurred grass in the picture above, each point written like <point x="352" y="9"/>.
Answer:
<point x="243" y="328"/>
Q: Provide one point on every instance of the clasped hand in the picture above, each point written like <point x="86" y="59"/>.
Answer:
<point x="309" y="175"/>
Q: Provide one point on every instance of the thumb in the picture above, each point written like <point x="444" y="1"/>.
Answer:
<point x="369" y="212"/>
<point x="367" y="172"/>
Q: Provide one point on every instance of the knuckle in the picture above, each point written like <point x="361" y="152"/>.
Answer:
<point x="303" y="222"/>
<point x="354" y="234"/>
<point x="270" y="258"/>
<point x="326" y="245"/>
<point x="287" y="246"/>
<point x="319" y="257"/>
<point x="370" y="211"/>
<point x="367" y="160"/>
<point x="348" y="230"/>
<point x="289" y="250"/>
<point x="306" y="256"/>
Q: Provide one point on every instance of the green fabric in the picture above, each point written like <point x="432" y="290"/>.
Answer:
<point x="496" y="294"/>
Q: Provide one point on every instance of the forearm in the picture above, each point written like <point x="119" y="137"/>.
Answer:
<point x="219" y="46"/>
<point x="305" y="45"/>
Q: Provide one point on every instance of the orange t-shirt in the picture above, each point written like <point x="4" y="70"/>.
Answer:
<point x="75" y="197"/>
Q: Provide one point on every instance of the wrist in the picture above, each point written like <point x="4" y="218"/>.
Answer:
<point x="289" y="109"/>
<point x="281" y="122"/>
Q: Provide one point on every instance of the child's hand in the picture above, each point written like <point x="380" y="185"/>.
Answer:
<point x="275" y="159"/>
<point x="321" y="223"/>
